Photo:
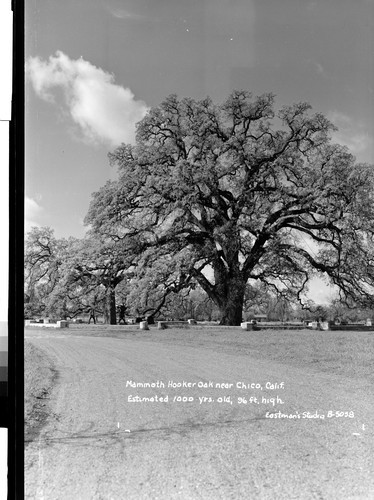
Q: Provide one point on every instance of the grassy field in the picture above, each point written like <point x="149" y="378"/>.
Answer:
<point x="347" y="353"/>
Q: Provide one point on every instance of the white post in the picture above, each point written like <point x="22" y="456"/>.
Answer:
<point x="247" y="326"/>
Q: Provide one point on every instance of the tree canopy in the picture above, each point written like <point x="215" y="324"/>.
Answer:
<point x="94" y="269"/>
<point x="44" y="258"/>
<point x="66" y="278"/>
<point x="240" y="192"/>
<point x="243" y="193"/>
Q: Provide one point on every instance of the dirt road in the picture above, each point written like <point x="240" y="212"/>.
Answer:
<point x="100" y="442"/>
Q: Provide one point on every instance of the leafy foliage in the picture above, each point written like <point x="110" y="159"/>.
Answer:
<point x="66" y="278"/>
<point x="241" y="193"/>
<point x="44" y="258"/>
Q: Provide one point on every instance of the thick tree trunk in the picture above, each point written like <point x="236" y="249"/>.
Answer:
<point x="228" y="290"/>
<point x="231" y="312"/>
<point x="231" y="303"/>
<point x="110" y="307"/>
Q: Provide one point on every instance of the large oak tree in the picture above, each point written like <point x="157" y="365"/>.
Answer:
<point x="243" y="193"/>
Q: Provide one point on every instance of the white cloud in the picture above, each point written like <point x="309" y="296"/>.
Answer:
<point x="319" y="68"/>
<point x="104" y="111"/>
<point x="352" y="134"/>
<point x="316" y="67"/>
<point x="124" y="14"/>
<point x="340" y="119"/>
<point x="32" y="211"/>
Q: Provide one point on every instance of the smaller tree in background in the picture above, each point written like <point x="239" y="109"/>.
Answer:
<point x="260" y="299"/>
<point x="91" y="274"/>
<point x="66" y="278"/>
<point x="44" y="258"/>
<point x="339" y="311"/>
<point x="204" y="307"/>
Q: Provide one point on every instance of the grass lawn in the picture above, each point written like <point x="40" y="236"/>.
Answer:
<point x="348" y="353"/>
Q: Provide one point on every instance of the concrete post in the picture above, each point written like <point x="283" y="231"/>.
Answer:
<point x="247" y="326"/>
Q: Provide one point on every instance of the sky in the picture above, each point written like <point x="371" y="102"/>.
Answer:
<point x="94" y="67"/>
